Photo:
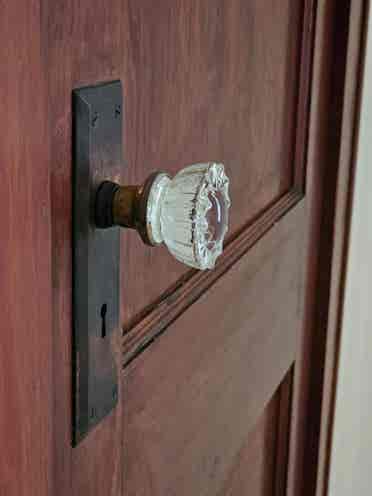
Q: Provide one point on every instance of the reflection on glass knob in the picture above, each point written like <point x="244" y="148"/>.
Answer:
<point x="188" y="213"/>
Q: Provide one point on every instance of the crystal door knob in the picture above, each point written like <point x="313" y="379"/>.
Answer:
<point x="188" y="213"/>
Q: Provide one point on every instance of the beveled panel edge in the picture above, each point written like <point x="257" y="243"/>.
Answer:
<point x="154" y="319"/>
<point x="302" y="119"/>
<point x="283" y="431"/>
<point x="173" y="303"/>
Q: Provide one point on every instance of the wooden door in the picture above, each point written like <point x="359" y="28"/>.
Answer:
<point x="212" y="388"/>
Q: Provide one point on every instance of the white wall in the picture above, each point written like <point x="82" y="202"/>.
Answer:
<point x="351" y="455"/>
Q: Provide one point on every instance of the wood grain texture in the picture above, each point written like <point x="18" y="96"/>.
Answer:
<point x="302" y="465"/>
<point x="180" y="108"/>
<point x="178" y="298"/>
<point x="252" y="470"/>
<point x="304" y="93"/>
<point x="208" y="80"/>
<point x="82" y="44"/>
<point x="335" y="81"/>
<point x="141" y="327"/>
<point x="260" y="467"/>
<point x="349" y="129"/>
<point x="26" y="380"/>
<point x="283" y="434"/>
<point x="194" y="409"/>
<point x="202" y="80"/>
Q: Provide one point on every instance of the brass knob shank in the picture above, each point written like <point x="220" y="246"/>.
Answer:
<point x="124" y="206"/>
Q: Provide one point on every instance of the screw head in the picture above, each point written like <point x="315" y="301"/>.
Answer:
<point x="95" y="118"/>
<point x="117" y="111"/>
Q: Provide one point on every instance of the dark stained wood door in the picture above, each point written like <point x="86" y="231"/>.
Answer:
<point x="210" y="362"/>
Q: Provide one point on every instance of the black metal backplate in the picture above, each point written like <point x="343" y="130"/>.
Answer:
<point x="97" y="153"/>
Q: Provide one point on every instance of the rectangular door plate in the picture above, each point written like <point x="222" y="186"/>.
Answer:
<point x="97" y="155"/>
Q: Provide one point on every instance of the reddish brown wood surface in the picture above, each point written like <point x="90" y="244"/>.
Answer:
<point x="338" y="50"/>
<point x="253" y="467"/>
<point x="259" y="467"/>
<point x="26" y="379"/>
<point x="208" y="79"/>
<point x="151" y="319"/>
<point x="203" y="80"/>
<point x="194" y="407"/>
<point x="188" y="290"/>
<point x="83" y="43"/>
<point x="356" y="20"/>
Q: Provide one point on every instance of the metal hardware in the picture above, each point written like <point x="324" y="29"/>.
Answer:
<point x="188" y="213"/>
<point x="97" y="154"/>
<point x="124" y="206"/>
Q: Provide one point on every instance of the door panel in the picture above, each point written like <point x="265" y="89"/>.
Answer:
<point x="192" y="399"/>
<point x="257" y="454"/>
<point x="253" y="470"/>
<point x="201" y="355"/>
<point x="260" y="465"/>
<point x="208" y="79"/>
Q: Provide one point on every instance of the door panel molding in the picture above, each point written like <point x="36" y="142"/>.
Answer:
<point x="66" y="52"/>
<point x="199" y="389"/>
<point x="338" y="51"/>
<point x="283" y="67"/>
<point x="150" y="325"/>
<point x="152" y="320"/>
<point x="357" y="22"/>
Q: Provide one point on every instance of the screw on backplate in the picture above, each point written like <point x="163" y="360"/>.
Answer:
<point x="117" y="111"/>
<point x="95" y="119"/>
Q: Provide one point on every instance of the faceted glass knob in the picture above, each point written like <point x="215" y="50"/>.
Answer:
<point x="189" y="213"/>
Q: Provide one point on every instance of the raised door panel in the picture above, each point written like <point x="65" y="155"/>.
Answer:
<point x="202" y="80"/>
<point x="191" y="400"/>
<point x="215" y="80"/>
<point x="253" y="470"/>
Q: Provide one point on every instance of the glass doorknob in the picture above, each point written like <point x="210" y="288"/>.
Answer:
<point x="188" y="213"/>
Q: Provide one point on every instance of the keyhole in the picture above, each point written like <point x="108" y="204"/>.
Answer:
<point x="103" y="317"/>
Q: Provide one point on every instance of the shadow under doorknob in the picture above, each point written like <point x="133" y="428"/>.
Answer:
<point x="188" y="213"/>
